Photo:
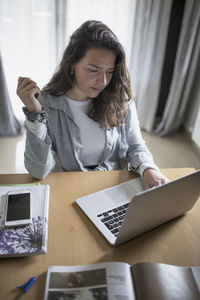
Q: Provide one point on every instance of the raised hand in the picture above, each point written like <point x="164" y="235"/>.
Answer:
<point x="29" y="93"/>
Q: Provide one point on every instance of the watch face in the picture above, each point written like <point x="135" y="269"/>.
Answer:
<point x="39" y="117"/>
<point x="35" y="116"/>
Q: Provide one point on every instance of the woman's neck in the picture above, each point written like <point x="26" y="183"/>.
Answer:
<point x="76" y="95"/>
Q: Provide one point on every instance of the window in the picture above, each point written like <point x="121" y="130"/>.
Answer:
<point x="116" y="14"/>
<point x="29" y="32"/>
<point x="26" y="43"/>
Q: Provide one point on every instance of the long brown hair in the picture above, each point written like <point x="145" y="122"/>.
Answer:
<point x="109" y="108"/>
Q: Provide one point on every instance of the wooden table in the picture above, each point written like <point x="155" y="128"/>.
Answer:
<point x="73" y="240"/>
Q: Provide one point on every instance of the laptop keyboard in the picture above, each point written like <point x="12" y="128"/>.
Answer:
<point x="113" y="218"/>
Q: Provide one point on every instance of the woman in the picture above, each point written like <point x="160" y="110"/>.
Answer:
<point x="84" y="118"/>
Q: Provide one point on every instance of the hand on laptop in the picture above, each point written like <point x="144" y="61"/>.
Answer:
<point x="153" y="178"/>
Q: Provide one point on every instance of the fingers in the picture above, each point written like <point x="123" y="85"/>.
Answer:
<point x="23" y="81"/>
<point x="153" y="178"/>
<point x="29" y="87"/>
<point x="152" y="183"/>
<point x="26" y="85"/>
<point x="146" y="186"/>
<point x="29" y="92"/>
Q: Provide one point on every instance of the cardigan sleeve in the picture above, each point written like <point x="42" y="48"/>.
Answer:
<point x="38" y="156"/>
<point x="38" y="129"/>
<point x="138" y="155"/>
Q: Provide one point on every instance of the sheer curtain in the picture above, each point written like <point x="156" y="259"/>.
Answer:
<point x="27" y="43"/>
<point x="185" y="71"/>
<point x="148" y="51"/>
<point x="34" y="34"/>
<point x="116" y="14"/>
<point x="9" y="125"/>
<point x="151" y="41"/>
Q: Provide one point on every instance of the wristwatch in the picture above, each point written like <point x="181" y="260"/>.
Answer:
<point x="38" y="116"/>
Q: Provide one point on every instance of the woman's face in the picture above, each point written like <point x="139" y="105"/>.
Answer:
<point x="92" y="73"/>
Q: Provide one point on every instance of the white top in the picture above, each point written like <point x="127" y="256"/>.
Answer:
<point x="123" y="146"/>
<point x="93" y="138"/>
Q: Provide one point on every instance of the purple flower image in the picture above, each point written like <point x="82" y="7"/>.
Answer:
<point x="27" y="239"/>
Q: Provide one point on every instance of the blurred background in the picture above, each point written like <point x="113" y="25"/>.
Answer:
<point x="162" y="45"/>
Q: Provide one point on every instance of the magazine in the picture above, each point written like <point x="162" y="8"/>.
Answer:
<point x="120" y="281"/>
<point x="30" y="239"/>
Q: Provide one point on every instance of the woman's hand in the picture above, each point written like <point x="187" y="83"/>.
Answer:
<point x="29" y="92"/>
<point x="153" y="178"/>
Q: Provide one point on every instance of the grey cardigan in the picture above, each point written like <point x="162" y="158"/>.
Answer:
<point x="61" y="148"/>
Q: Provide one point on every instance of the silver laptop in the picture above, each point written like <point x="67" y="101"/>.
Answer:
<point x="125" y="211"/>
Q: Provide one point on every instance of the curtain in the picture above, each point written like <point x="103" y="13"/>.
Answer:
<point x="185" y="69"/>
<point x="9" y="125"/>
<point x="116" y="14"/>
<point x="60" y="28"/>
<point x="27" y="43"/>
<point x="34" y="34"/>
<point x="150" y="43"/>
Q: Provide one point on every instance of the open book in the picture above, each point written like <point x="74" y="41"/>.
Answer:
<point x="120" y="281"/>
<point x="30" y="239"/>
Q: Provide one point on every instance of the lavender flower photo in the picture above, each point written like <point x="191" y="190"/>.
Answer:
<point x="26" y="239"/>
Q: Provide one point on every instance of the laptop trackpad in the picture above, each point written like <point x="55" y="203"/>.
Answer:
<point x="125" y="191"/>
<point x="107" y="199"/>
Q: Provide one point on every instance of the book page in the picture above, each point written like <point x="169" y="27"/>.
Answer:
<point x="90" y="282"/>
<point x="160" y="281"/>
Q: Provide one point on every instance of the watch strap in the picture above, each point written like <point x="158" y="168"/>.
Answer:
<point x="35" y="116"/>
